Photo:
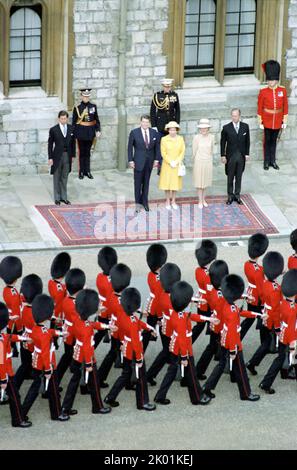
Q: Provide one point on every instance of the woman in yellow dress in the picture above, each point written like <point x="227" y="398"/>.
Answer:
<point x="173" y="152"/>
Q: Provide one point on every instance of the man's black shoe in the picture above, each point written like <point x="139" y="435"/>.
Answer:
<point x="104" y="385"/>
<point x="66" y="201"/>
<point x="63" y="417"/>
<point x="112" y="403"/>
<point x="90" y="176"/>
<point x="204" y="400"/>
<point x="208" y="393"/>
<point x="147" y="407"/>
<point x="146" y="208"/>
<point x="229" y="201"/>
<point x="162" y="401"/>
<point x="81" y="175"/>
<point x="84" y="390"/>
<point x="130" y="387"/>
<point x="23" y="424"/>
<point x="201" y="376"/>
<point x="71" y="412"/>
<point x="275" y="166"/>
<point x="268" y="390"/>
<point x="266" y="166"/>
<point x="251" y="369"/>
<point x="57" y="202"/>
<point x="102" y="411"/>
<point x="238" y="200"/>
<point x="152" y="382"/>
<point x="251" y="397"/>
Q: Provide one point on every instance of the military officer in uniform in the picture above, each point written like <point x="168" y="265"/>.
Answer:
<point x="87" y="127"/>
<point x="165" y="107"/>
<point x="272" y="111"/>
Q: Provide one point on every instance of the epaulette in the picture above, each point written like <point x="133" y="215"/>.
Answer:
<point x="275" y="285"/>
<point x="219" y="293"/>
<point x="233" y="308"/>
<point x="180" y="315"/>
<point x="13" y="291"/>
<point x="133" y="319"/>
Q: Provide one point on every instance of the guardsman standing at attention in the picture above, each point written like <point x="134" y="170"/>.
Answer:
<point x="87" y="128"/>
<point x="165" y="106"/>
<point x="272" y="111"/>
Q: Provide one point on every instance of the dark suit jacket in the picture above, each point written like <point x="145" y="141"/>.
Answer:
<point x="137" y="150"/>
<point x="56" y="146"/>
<point x="231" y="142"/>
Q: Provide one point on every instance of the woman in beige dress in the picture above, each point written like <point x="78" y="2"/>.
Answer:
<point x="203" y="146"/>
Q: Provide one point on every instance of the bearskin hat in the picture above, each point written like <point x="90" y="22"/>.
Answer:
<point x="75" y="280"/>
<point x="156" y="256"/>
<point x="206" y="252"/>
<point x="130" y="300"/>
<point x="120" y="277"/>
<point x="273" y="265"/>
<point x="11" y="269"/>
<point x="257" y="245"/>
<point x="4" y="316"/>
<point x="60" y="265"/>
<point x="42" y="308"/>
<point x="31" y="286"/>
<point x="289" y="283"/>
<point x="181" y="295"/>
<point x="293" y="239"/>
<point x="271" y="69"/>
<point x="169" y="274"/>
<point x="217" y="271"/>
<point x="87" y="303"/>
<point x="232" y="287"/>
<point x="107" y="258"/>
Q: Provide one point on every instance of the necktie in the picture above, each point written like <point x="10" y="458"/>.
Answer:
<point x="237" y="128"/>
<point x="65" y="130"/>
<point x="146" y="139"/>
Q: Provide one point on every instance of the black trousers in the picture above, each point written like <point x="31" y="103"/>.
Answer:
<point x="209" y="352"/>
<point x="235" y="166"/>
<point x="152" y="320"/>
<point x="199" y="327"/>
<point x="25" y="369"/>
<point x="162" y="359"/>
<point x="276" y="366"/>
<point x="248" y="322"/>
<point x="142" y="397"/>
<point x="109" y="359"/>
<point x="16" y="411"/>
<point x="93" y="385"/>
<point x="263" y="349"/>
<point x="238" y="371"/>
<point x="270" y="140"/>
<point x="64" y="362"/>
<point x="141" y="183"/>
<point x="53" y="394"/>
<point x="84" y="147"/>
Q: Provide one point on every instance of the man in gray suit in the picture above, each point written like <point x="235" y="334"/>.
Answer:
<point x="61" y="151"/>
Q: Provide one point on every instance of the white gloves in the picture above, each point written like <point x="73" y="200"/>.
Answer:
<point x="284" y="125"/>
<point x="173" y="164"/>
<point x="261" y="127"/>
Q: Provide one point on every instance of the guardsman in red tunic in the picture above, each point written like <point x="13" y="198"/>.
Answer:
<point x="232" y="289"/>
<point x="56" y="288"/>
<point x="31" y="287"/>
<point x="292" y="261"/>
<point x="257" y="245"/>
<point x="132" y="349"/>
<point x="10" y="271"/>
<point x="43" y="358"/>
<point x="273" y="264"/>
<point x="107" y="258"/>
<point x="84" y="361"/>
<point x="217" y="271"/>
<point x="6" y="372"/>
<point x="169" y="274"/>
<point x="120" y="276"/>
<point x="156" y="257"/>
<point x="75" y="281"/>
<point x="287" y="337"/>
<point x="205" y="254"/>
<point x="272" y="111"/>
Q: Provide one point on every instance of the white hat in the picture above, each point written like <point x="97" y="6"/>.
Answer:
<point x="172" y="124"/>
<point x="204" y="124"/>
<point x="167" y="81"/>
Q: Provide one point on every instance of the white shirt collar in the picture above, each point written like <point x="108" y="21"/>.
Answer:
<point x="62" y="128"/>
<point x="147" y="133"/>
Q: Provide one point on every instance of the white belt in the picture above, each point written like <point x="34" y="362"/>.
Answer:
<point x="252" y="285"/>
<point x="8" y="355"/>
<point x="284" y="324"/>
<point x="174" y="333"/>
<point x="79" y="343"/>
<point x="267" y="306"/>
<point x="166" y="317"/>
<point x="27" y="330"/>
<point x="9" y="310"/>
<point x="225" y="327"/>
<point x="238" y="329"/>
<point x="152" y="295"/>
<point x="209" y="287"/>
<point x="68" y="323"/>
<point x="113" y="317"/>
<point x="37" y="350"/>
<point x="202" y="291"/>
<point x="188" y="335"/>
<point x="126" y="338"/>
<point x="102" y="298"/>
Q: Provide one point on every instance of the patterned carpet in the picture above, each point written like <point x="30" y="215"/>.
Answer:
<point x="116" y="222"/>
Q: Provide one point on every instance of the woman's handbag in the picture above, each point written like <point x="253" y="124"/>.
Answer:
<point x="181" y="170"/>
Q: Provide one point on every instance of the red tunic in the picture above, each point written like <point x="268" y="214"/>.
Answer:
<point x="276" y="101"/>
<point x="70" y="316"/>
<point x="43" y="357"/>
<point x="154" y="307"/>
<point x="288" y="314"/>
<point x="204" y="286"/>
<point x="217" y="303"/>
<point x="84" y="347"/>
<point x="166" y="307"/>
<point x="6" y="356"/>
<point x="57" y="291"/>
<point x="28" y="324"/>
<point x="181" y="338"/>
<point x="230" y="334"/>
<point x="255" y="276"/>
<point x="105" y="290"/>
<point x="292" y="261"/>
<point x="117" y="312"/>
<point x="13" y="302"/>
<point x="271" y="298"/>
<point x="132" y="329"/>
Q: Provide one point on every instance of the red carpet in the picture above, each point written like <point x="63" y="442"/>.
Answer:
<point x="116" y="222"/>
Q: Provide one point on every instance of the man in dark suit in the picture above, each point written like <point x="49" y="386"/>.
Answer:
<point x="143" y="155"/>
<point x="235" y="148"/>
<point x="61" y="151"/>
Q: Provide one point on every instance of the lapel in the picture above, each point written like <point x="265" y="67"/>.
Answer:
<point x="234" y="131"/>
<point x="141" y="137"/>
<point x="60" y="131"/>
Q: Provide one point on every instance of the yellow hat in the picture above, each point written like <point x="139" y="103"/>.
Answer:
<point x="172" y="124"/>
